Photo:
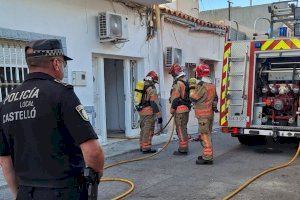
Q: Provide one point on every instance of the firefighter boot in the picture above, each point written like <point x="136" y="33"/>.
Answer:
<point x="149" y="151"/>
<point x="201" y="161"/>
<point x="180" y="153"/>
<point x="207" y="155"/>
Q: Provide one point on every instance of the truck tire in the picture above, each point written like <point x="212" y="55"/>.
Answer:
<point x="252" y="140"/>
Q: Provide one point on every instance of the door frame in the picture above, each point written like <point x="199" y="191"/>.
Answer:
<point x="100" y="105"/>
<point x="99" y="98"/>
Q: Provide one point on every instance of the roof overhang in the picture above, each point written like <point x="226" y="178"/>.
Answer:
<point x="151" y="2"/>
<point x="210" y="59"/>
<point x="194" y="23"/>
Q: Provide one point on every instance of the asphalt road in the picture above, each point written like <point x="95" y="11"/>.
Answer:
<point x="178" y="177"/>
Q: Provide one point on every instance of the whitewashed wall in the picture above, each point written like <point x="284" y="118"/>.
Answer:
<point x="76" y="21"/>
<point x="194" y="46"/>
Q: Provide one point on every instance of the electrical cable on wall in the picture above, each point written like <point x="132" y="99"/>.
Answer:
<point x="150" y="23"/>
<point x="113" y="6"/>
<point x="134" y="6"/>
<point x="119" y="47"/>
<point x="175" y="35"/>
<point x="148" y="53"/>
<point x="86" y="17"/>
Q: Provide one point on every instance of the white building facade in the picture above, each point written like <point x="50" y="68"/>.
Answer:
<point x="103" y="74"/>
<point x="198" y="46"/>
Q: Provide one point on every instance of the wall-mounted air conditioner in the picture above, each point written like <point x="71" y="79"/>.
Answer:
<point x="112" y="27"/>
<point x="172" y="56"/>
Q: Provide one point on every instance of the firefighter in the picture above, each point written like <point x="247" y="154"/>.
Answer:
<point x="180" y="107"/>
<point x="149" y="110"/>
<point x="205" y="100"/>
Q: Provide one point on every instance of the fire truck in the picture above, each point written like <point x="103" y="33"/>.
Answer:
<point x="260" y="85"/>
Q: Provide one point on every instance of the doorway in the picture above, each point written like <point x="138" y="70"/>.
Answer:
<point x="114" y="97"/>
<point x="212" y="64"/>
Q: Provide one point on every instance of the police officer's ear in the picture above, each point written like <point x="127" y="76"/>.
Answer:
<point x="56" y="64"/>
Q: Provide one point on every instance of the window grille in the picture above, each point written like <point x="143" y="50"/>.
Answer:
<point x="13" y="67"/>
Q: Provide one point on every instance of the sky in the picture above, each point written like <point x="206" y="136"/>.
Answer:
<point x="215" y="4"/>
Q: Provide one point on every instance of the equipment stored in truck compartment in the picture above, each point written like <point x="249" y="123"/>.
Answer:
<point x="260" y="89"/>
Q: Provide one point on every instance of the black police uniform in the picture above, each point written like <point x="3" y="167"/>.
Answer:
<point x="43" y="124"/>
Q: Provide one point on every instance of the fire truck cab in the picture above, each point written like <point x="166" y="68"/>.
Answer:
<point x="260" y="89"/>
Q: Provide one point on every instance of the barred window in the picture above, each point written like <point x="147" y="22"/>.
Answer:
<point x="13" y="67"/>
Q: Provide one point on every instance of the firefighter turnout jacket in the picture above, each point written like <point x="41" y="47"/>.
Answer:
<point x="179" y="97"/>
<point x="150" y="102"/>
<point x="205" y="99"/>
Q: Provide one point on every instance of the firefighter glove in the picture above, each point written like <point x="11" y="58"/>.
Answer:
<point x="215" y="108"/>
<point x="175" y="103"/>
<point x="172" y="111"/>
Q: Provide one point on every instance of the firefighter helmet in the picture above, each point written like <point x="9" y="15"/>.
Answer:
<point x="152" y="76"/>
<point x="202" y="71"/>
<point x="176" y="71"/>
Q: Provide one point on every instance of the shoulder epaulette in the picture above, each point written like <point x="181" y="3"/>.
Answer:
<point x="63" y="83"/>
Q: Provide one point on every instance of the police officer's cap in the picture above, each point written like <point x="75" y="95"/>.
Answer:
<point x="49" y="47"/>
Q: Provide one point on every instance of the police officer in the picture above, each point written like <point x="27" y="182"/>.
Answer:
<point x="46" y="139"/>
<point x="149" y="111"/>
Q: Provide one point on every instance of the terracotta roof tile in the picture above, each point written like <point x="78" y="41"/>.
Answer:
<point x="191" y="18"/>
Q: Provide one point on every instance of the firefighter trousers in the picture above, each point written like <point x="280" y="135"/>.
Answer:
<point x="205" y="130"/>
<point x="181" y="121"/>
<point x="147" y="124"/>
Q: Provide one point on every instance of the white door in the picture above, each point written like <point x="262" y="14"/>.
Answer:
<point x="114" y="96"/>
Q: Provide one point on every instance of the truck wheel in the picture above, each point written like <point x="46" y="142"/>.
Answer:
<point x="252" y="140"/>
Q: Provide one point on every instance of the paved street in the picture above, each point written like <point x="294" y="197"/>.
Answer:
<point x="170" y="177"/>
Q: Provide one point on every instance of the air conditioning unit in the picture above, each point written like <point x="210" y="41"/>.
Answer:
<point x="173" y="56"/>
<point x="112" y="27"/>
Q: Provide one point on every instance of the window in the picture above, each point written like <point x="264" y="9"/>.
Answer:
<point x="13" y="67"/>
<point x="189" y="70"/>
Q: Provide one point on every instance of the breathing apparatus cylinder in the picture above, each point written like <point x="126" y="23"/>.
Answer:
<point x="192" y="83"/>
<point x="138" y="92"/>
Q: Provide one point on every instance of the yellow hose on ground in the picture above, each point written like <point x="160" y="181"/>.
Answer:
<point x="130" y="190"/>
<point x="248" y="182"/>
<point x="130" y="183"/>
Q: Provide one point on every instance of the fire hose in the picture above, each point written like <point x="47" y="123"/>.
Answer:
<point x="251" y="180"/>
<point x="129" y="182"/>
<point x="229" y="196"/>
